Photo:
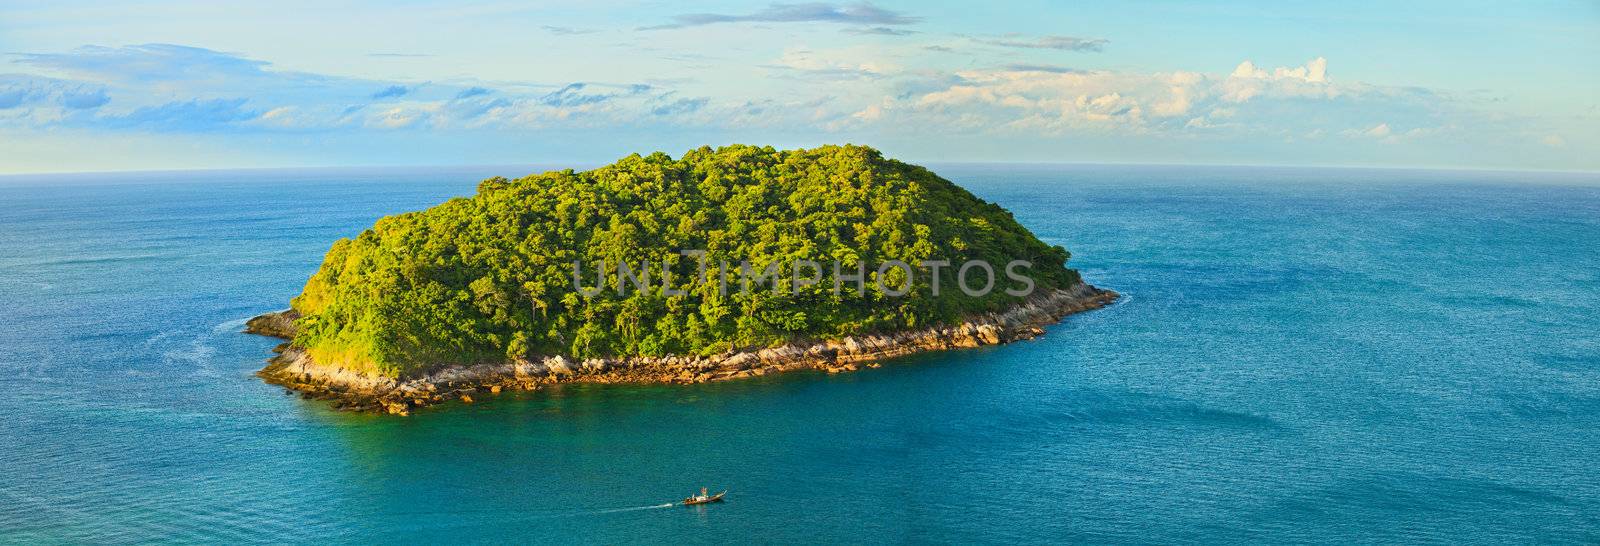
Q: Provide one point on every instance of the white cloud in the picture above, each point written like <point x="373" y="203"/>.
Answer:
<point x="1248" y="81"/>
<point x="873" y="112"/>
<point x="1383" y="132"/>
<point x="170" y="88"/>
<point x="852" y="14"/>
<point x="1059" y="101"/>
<point x="831" y="64"/>
<point x="1315" y="71"/>
<point x="1057" y="42"/>
<point x="281" y="117"/>
<point x="883" y="91"/>
<point x="1181" y="89"/>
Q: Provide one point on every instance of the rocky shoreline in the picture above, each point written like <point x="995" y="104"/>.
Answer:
<point x="293" y="369"/>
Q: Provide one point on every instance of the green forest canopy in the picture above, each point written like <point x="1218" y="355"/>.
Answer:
<point x="485" y="278"/>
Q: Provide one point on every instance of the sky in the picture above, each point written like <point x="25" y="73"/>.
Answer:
<point x="141" y="85"/>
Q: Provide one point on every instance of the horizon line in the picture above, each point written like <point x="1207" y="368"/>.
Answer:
<point x="582" y="165"/>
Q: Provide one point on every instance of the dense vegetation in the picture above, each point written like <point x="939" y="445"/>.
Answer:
<point x="489" y="277"/>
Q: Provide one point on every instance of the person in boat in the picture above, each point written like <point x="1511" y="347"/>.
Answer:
<point x="702" y="493"/>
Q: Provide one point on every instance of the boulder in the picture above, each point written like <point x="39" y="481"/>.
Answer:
<point x="988" y="334"/>
<point x="741" y="361"/>
<point x="558" y="365"/>
<point x="276" y="324"/>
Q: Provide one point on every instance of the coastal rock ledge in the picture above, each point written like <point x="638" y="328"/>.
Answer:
<point x="292" y="368"/>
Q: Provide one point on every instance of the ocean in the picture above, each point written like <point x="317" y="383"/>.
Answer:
<point x="1301" y="355"/>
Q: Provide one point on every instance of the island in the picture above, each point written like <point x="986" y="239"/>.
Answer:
<point x="725" y="263"/>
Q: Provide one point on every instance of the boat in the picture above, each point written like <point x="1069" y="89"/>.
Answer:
<point x="703" y="498"/>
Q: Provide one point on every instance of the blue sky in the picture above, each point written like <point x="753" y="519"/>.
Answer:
<point x="92" y="86"/>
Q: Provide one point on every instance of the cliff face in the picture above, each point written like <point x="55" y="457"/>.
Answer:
<point x="293" y="368"/>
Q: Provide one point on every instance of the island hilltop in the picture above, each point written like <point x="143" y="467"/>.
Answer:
<point x="724" y="263"/>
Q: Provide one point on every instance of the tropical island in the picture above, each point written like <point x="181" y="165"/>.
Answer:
<point x="724" y="263"/>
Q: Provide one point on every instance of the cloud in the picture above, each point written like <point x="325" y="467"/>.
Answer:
<point x="182" y="89"/>
<point x="13" y="97"/>
<point x="1053" y="101"/>
<point x="1054" y="69"/>
<point x="853" y="14"/>
<point x="1064" y="43"/>
<point x="573" y="95"/>
<point x="19" y="90"/>
<point x="882" y="31"/>
<point x="829" y="65"/>
<point x="1248" y="81"/>
<point x="567" y="31"/>
<point x="398" y="118"/>
<point x="1039" y="101"/>
<point x="392" y="91"/>
<point x="1315" y="71"/>
<point x="1383" y="133"/>
<point x="465" y="110"/>
<point x="680" y="106"/>
<point x="518" y="106"/>
<point x="84" y="99"/>
<point x="471" y="92"/>
<point x="873" y="112"/>
<point x="146" y="63"/>
<point x="922" y="83"/>
<point x="894" y="88"/>
<point x="1182" y="92"/>
<point x="149" y="74"/>
<point x="188" y="116"/>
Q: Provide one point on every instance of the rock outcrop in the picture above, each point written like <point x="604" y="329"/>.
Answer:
<point x="275" y="324"/>
<point x="294" y="369"/>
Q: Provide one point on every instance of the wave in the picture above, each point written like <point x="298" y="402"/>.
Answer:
<point x="97" y="260"/>
<point x="230" y="326"/>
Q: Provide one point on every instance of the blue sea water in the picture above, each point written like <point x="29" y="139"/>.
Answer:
<point x="1301" y="355"/>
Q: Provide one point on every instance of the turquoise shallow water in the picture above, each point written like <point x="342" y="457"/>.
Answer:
<point x="1302" y="355"/>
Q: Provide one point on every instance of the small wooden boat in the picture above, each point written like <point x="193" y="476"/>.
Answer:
<point x="703" y="498"/>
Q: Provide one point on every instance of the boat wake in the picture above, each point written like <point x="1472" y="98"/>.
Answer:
<point x="512" y="514"/>
<point x="632" y="509"/>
